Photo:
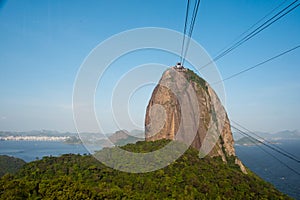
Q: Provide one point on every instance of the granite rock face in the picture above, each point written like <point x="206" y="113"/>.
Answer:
<point x="184" y="107"/>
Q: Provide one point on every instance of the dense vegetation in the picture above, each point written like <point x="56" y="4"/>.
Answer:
<point x="193" y="77"/>
<point x="83" y="177"/>
<point x="10" y="164"/>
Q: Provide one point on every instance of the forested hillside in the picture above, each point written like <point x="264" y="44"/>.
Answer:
<point x="83" y="177"/>
<point x="10" y="164"/>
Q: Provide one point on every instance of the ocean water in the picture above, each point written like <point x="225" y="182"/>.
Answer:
<point x="32" y="150"/>
<point x="274" y="167"/>
<point x="256" y="159"/>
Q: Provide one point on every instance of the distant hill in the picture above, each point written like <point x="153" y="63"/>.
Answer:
<point x="121" y="138"/>
<point x="83" y="177"/>
<point x="246" y="141"/>
<point x="10" y="164"/>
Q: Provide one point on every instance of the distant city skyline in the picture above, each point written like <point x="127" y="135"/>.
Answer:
<point x="44" y="43"/>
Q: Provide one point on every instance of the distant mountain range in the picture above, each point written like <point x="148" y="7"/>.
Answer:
<point x="119" y="138"/>
<point x="271" y="137"/>
<point x="123" y="137"/>
<point x="48" y="133"/>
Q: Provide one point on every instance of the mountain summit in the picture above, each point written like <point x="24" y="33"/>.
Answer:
<point x="184" y="107"/>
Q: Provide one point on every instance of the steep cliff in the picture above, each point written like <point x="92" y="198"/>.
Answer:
<point x="184" y="107"/>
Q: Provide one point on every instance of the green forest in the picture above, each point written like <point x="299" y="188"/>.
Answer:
<point x="10" y="164"/>
<point x="83" y="177"/>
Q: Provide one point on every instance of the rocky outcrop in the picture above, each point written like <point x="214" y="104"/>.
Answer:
<point x="184" y="107"/>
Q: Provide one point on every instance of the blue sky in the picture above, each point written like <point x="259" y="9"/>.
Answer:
<point x="43" y="44"/>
